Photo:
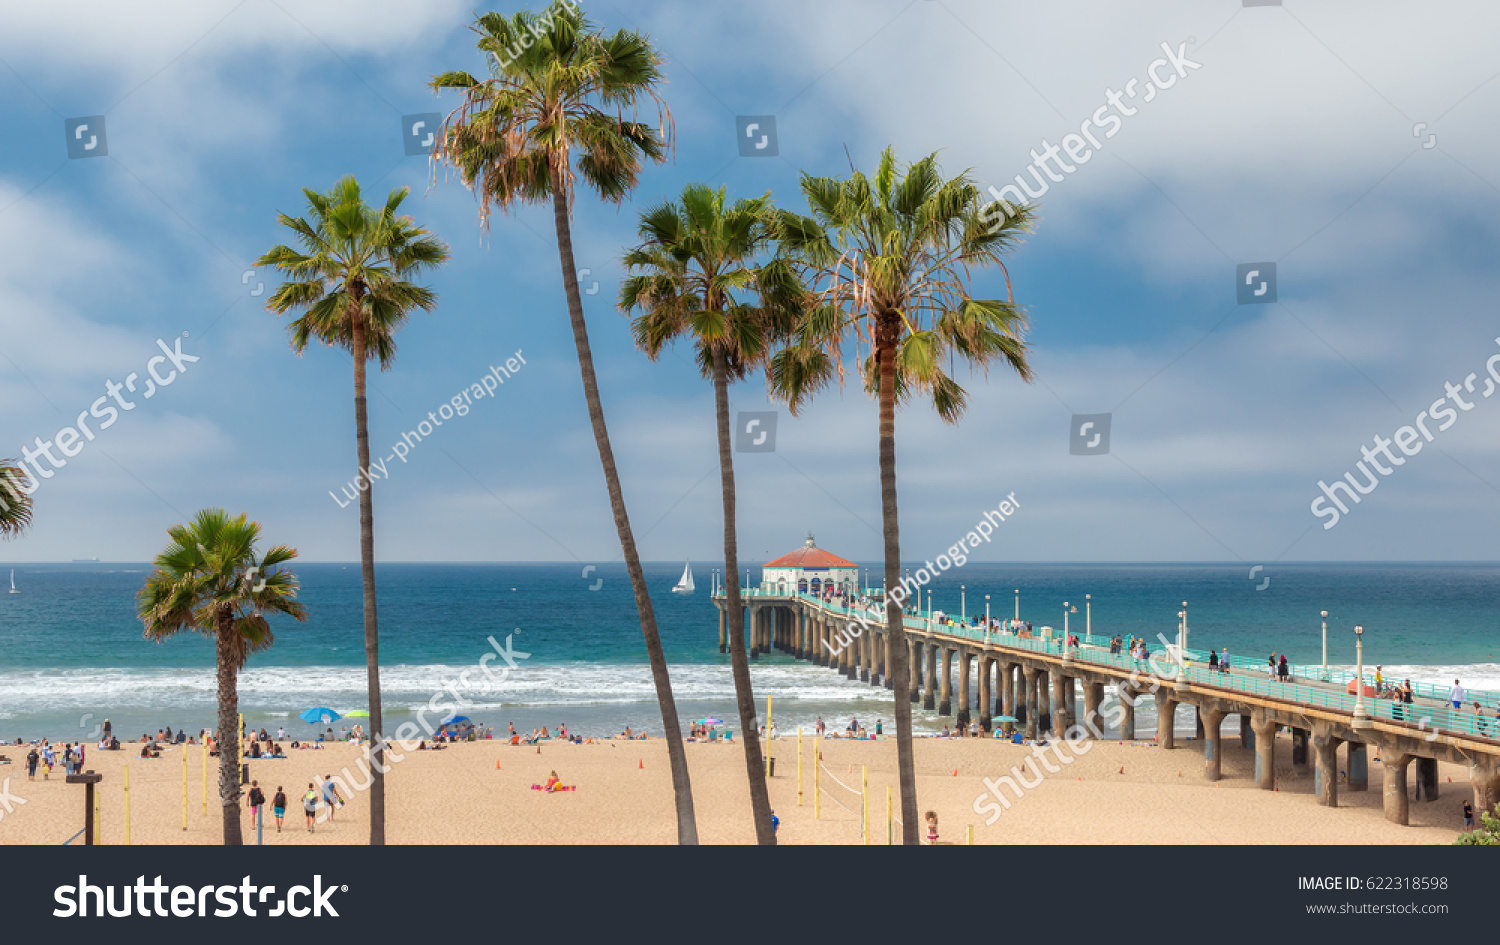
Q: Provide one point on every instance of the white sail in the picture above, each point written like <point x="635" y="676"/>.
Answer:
<point x="13" y="581"/>
<point x="685" y="584"/>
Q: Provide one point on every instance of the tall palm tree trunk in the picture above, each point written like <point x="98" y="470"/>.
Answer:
<point x="229" y="733"/>
<point x="367" y="577"/>
<point x="744" y="696"/>
<point x="896" y="653"/>
<point x="687" y="825"/>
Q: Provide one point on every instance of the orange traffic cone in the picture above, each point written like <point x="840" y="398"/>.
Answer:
<point x="955" y="772"/>
<point x="641" y="765"/>
<point x="539" y="749"/>
<point x="497" y="764"/>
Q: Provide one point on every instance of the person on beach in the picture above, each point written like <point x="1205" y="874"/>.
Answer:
<point x="32" y="757"/>
<point x="1224" y="660"/>
<point x="281" y="733"/>
<point x="820" y="726"/>
<point x="1468" y="817"/>
<point x="1379" y="681"/>
<point x="1213" y="661"/>
<point x="552" y="782"/>
<point x="256" y="800"/>
<point x="1282" y="670"/>
<point x="278" y="806"/>
<point x="775" y="823"/>
<point x="1457" y="695"/>
<point x="932" y="828"/>
<point x="310" y="805"/>
<point x="109" y="729"/>
<point x="879" y="727"/>
<point x="331" y="797"/>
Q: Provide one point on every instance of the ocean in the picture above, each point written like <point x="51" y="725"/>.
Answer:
<point x="72" y="651"/>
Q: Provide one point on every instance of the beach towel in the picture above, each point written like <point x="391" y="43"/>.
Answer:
<point x="555" y="788"/>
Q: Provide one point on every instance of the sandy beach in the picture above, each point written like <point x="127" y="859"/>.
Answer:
<point x="481" y="793"/>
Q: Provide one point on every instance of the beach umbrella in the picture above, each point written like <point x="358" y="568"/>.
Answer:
<point x="357" y="714"/>
<point x="457" y="720"/>
<point x="710" y="721"/>
<point x="319" y="714"/>
<point x="1006" y="718"/>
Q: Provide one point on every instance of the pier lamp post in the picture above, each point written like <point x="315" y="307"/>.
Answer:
<point x="1184" y="626"/>
<point x="1182" y="646"/>
<point x="1088" y="615"/>
<point x="963" y="603"/>
<point x="1018" y="603"/>
<point x="986" y="618"/>
<point x="747" y="579"/>
<point x="1325" y="646"/>
<point x="1361" y="720"/>
<point x="1065" y="621"/>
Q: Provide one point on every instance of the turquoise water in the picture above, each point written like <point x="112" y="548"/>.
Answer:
<point x="72" y="653"/>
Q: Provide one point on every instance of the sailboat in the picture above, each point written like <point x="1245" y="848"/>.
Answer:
<point x="685" y="584"/>
<point x="13" y="581"/>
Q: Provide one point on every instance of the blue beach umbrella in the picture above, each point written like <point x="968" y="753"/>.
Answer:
<point x="319" y="714"/>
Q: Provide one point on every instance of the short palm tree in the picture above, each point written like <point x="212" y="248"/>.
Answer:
<point x="888" y="261"/>
<point x="209" y="580"/>
<point x="351" y="278"/>
<point x="15" y="502"/>
<point x="695" y="266"/>
<point x="558" y="86"/>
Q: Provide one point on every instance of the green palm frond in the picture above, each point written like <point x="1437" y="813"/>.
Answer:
<point x="15" y="500"/>
<point x="356" y="263"/>
<point x="888" y="262"/>
<point x="560" y="101"/>
<point x="209" y="574"/>
<point x="697" y="274"/>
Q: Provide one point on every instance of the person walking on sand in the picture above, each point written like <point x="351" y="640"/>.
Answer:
<point x="932" y="828"/>
<point x="278" y="806"/>
<point x="310" y="805"/>
<point x="256" y="801"/>
<point x="331" y="796"/>
<point x="1468" y="817"/>
<point x="32" y="757"/>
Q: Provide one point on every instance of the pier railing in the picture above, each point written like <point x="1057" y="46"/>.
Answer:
<point x="1306" y="685"/>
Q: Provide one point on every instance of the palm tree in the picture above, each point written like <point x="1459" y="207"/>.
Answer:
<point x="210" y="581"/>
<point x="559" y="85"/>
<point x="351" y="279"/>
<point x="889" y="261"/>
<point x="695" y="259"/>
<point x="15" y="502"/>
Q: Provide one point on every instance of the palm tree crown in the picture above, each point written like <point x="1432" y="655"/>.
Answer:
<point x="355" y="262"/>
<point x="695" y="268"/>
<point x="209" y="574"/>
<point x="890" y="259"/>
<point x="15" y="503"/>
<point x="512" y="136"/>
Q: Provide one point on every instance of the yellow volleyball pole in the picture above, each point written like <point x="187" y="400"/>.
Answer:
<point x="98" y="819"/>
<point x="766" y="747"/>
<point x="890" y="824"/>
<point x="970" y="832"/>
<point x="239" y="743"/>
<point x="184" y="787"/>
<point x="205" y="777"/>
<point x="126" y="771"/>
<point x="817" y="784"/>
<point x="799" y="766"/>
<point x="864" y="801"/>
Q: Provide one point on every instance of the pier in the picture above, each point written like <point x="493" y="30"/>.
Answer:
<point x="1036" y="680"/>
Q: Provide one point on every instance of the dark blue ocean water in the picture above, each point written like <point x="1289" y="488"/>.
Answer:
<point x="71" y="646"/>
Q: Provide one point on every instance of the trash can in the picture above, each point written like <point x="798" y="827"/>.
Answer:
<point x="245" y="772"/>
<point x="770" y="767"/>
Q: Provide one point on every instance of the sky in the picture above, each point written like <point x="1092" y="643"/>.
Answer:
<point x="1350" y="146"/>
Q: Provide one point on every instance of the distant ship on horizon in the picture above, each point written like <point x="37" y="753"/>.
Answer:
<point x="84" y="560"/>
